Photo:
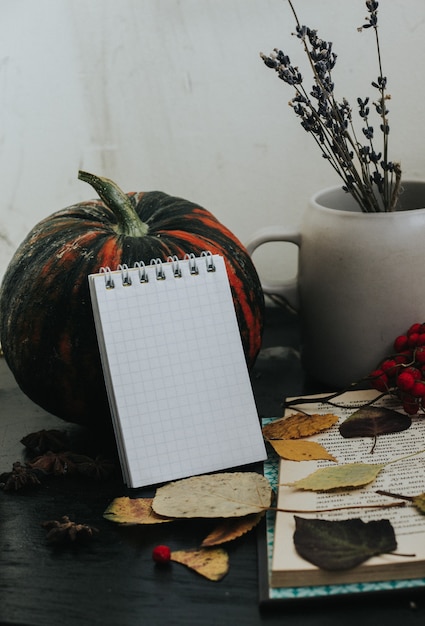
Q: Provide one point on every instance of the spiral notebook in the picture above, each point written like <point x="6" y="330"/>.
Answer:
<point x="175" y="371"/>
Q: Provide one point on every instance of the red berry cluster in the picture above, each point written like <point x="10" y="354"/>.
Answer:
<point x="404" y="372"/>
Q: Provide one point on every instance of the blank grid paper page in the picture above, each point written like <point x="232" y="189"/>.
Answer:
<point x="176" y="373"/>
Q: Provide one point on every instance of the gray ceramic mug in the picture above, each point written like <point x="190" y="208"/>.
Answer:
<point x="360" y="280"/>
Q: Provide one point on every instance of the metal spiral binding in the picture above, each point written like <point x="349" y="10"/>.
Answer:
<point x="209" y="261"/>
<point x="175" y="266"/>
<point x="143" y="275"/>
<point x="159" y="270"/>
<point x="193" y="267"/>
<point x="109" y="281"/>
<point x="125" y="278"/>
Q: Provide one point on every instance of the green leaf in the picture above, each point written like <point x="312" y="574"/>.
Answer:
<point x="339" y="545"/>
<point x="345" y="476"/>
<point x="373" y="421"/>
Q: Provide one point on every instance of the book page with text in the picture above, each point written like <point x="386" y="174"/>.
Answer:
<point x="406" y="477"/>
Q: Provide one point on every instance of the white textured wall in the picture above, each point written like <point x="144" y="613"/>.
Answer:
<point x="172" y="95"/>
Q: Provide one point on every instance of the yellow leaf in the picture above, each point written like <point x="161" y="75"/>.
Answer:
<point x="131" y="511"/>
<point x="231" y="529"/>
<point x="419" y="502"/>
<point x="212" y="563"/>
<point x="294" y="450"/>
<point x="298" y="425"/>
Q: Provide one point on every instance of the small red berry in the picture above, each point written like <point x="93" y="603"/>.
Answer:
<point x="418" y="389"/>
<point x="379" y="380"/>
<point x="421" y="339"/>
<point x="403" y="357"/>
<point x="411" y="406"/>
<point x="420" y="355"/>
<point x="401" y="343"/>
<point x="405" y="381"/>
<point x="389" y="366"/>
<point x="415" y="328"/>
<point x="161" y="554"/>
<point x="413" y="340"/>
<point x="414" y="371"/>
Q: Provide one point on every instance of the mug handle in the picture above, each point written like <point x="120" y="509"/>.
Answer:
<point x="286" y="289"/>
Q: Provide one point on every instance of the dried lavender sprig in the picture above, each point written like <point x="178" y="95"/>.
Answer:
<point x="358" y="187"/>
<point x="391" y="187"/>
<point x="342" y="143"/>
<point x="331" y="124"/>
<point x="326" y="121"/>
<point x="337" y="119"/>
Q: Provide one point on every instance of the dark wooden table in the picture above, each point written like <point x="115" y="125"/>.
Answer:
<point x="112" y="580"/>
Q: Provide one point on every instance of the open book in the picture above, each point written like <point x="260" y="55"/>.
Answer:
<point x="406" y="477"/>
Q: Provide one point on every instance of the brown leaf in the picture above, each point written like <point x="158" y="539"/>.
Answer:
<point x="130" y="511"/>
<point x="298" y="425"/>
<point x="212" y="563"/>
<point x="231" y="529"/>
<point x="227" y="494"/>
<point x="294" y="450"/>
<point x="373" y="421"/>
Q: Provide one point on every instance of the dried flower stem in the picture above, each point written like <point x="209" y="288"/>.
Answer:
<point x="392" y="505"/>
<point x="368" y="175"/>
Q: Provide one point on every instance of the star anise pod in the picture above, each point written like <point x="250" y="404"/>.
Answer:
<point x="57" y="463"/>
<point x="21" y="476"/>
<point x="71" y="463"/>
<point x="44" y="440"/>
<point x="65" y="530"/>
<point x="98" y="468"/>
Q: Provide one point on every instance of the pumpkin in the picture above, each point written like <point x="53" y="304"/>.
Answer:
<point x="47" y="328"/>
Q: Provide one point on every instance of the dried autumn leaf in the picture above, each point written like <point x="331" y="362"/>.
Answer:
<point x="298" y="425"/>
<point x="373" y="421"/>
<point x="233" y="494"/>
<point x="212" y="563"/>
<point x="231" y="529"/>
<point x="419" y="502"/>
<point x="346" y="476"/>
<point x="338" y="545"/>
<point x="294" y="450"/>
<point x="130" y="511"/>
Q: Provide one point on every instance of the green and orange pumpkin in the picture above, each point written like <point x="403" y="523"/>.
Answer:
<point x="47" y="329"/>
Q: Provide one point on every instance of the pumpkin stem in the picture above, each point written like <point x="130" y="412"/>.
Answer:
<point x="128" y="222"/>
